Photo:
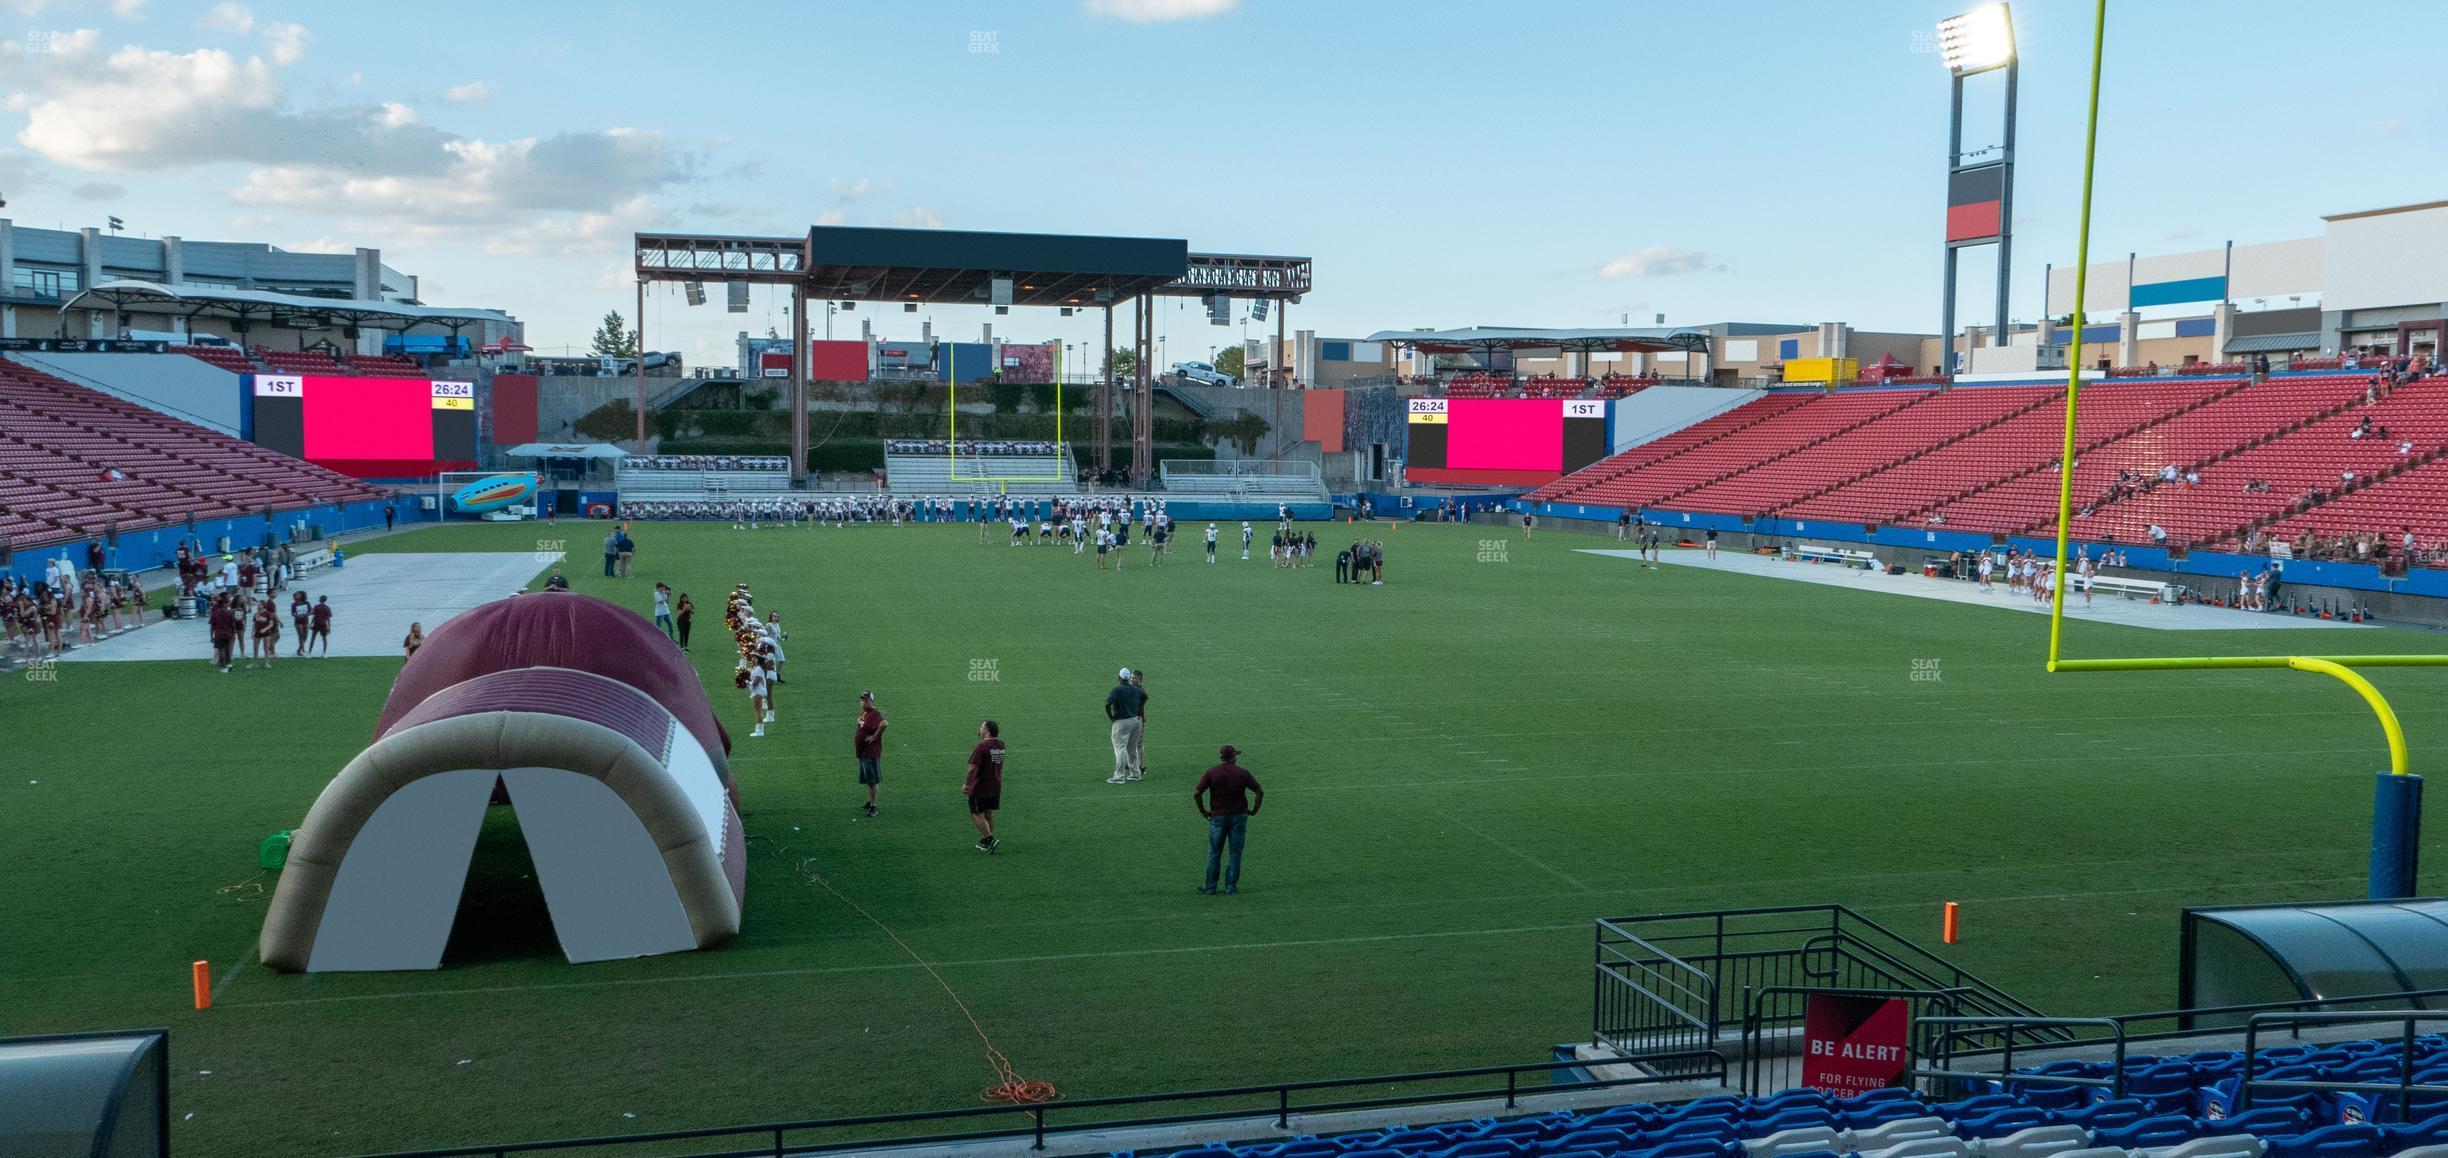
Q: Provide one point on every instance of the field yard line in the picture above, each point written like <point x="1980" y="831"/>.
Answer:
<point x="243" y="962"/>
<point x="822" y="970"/>
<point x="1535" y="862"/>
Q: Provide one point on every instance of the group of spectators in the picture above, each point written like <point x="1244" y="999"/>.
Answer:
<point x="1362" y="562"/>
<point x="705" y="462"/>
<point x="39" y="615"/>
<point x="969" y="446"/>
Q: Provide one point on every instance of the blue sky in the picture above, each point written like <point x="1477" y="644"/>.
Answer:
<point x="1445" y="163"/>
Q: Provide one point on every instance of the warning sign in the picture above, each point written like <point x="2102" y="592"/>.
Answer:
<point x="1853" y="1044"/>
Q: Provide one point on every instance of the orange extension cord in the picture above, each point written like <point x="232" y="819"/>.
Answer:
<point x="1008" y="1085"/>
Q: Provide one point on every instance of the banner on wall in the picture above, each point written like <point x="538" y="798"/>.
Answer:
<point x="1853" y="1044"/>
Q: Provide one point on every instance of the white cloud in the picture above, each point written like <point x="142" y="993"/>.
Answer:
<point x="849" y="191"/>
<point x="233" y="18"/>
<point x="98" y="191"/>
<point x="1655" y="261"/>
<point x="395" y="115"/>
<point x="1154" y="11"/>
<point x="829" y="217"/>
<point x="324" y="244"/>
<point x="919" y="217"/>
<point x="474" y="92"/>
<point x="287" y="42"/>
<point x="479" y="183"/>
<point x="128" y="9"/>
<point x="583" y="233"/>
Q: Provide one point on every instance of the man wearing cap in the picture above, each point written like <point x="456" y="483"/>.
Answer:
<point x="867" y="742"/>
<point x="1126" y="707"/>
<point x="1227" y="795"/>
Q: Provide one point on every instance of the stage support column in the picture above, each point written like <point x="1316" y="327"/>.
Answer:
<point x="799" y="384"/>
<point x="641" y="366"/>
<point x="1104" y="400"/>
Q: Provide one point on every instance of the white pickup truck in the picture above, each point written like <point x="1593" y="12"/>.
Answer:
<point x="1202" y="372"/>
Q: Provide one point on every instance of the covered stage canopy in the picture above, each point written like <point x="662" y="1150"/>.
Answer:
<point x="1483" y="339"/>
<point x="274" y="308"/>
<point x="565" y="450"/>
<point x="936" y="266"/>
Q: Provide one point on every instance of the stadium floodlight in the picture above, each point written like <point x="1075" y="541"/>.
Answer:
<point x="1978" y="40"/>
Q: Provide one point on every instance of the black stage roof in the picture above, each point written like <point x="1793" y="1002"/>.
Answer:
<point x="955" y="267"/>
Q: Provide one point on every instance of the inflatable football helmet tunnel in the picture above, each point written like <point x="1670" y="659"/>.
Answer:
<point x="594" y="727"/>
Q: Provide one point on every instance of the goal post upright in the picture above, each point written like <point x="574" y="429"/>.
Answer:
<point x="2397" y="802"/>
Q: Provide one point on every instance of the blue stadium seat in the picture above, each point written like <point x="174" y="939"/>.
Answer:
<point x="2264" y="1121"/>
<point x="2357" y="1141"/>
<point x="2164" y="1130"/>
<point x="2000" y="1123"/>
<point x="2431" y="1131"/>
<point x="1602" y="1138"/>
<point x="1712" y="1130"/>
<point x="2105" y="1115"/>
<point x="1482" y="1148"/>
<point x="1975" y="1107"/>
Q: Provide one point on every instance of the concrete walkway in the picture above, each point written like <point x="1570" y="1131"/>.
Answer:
<point x="374" y="598"/>
<point x="2105" y="609"/>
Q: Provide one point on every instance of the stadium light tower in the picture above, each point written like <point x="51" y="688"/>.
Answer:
<point x="1980" y="194"/>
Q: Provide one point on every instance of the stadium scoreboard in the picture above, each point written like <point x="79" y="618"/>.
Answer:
<point x="365" y="427"/>
<point x="1519" y="440"/>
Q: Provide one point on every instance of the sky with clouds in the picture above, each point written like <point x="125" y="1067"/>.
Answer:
<point x="1446" y="164"/>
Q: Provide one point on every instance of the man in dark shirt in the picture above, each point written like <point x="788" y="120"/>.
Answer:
<point x="556" y="581"/>
<point x="984" y="787"/>
<point x="318" y="623"/>
<point x="1227" y="795"/>
<point x="867" y="743"/>
<point x="1126" y="707"/>
<point x="224" y="625"/>
<point x="1343" y="562"/>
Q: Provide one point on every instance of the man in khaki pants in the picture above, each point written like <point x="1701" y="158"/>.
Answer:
<point x="1126" y="707"/>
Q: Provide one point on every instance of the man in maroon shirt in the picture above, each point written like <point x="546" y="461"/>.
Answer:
<point x="867" y="743"/>
<point x="1227" y="795"/>
<point x="224" y="621"/>
<point x="984" y="788"/>
<point x="318" y="623"/>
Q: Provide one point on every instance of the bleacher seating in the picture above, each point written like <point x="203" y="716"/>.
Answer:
<point x="942" y="474"/>
<point x="1885" y="440"/>
<point x="2169" y="1107"/>
<point x="1554" y="387"/>
<point x="73" y="460"/>
<point x="1803" y="420"/>
<point x="2407" y="426"/>
<point x="385" y="366"/>
<point x="1949" y="481"/>
<point x="1618" y="386"/>
<point x="1478" y="384"/>
<point x="1984" y="459"/>
<point x="298" y="361"/>
<point x="229" y="358"/>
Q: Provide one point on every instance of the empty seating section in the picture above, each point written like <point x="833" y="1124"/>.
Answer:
<point x="2247" y="417"/>
<point x="298" y="361"/>
<point x="2022" y="447"/>
<point x="1478" y="385"/>
<point x="2416" y="500"/>
<point x="2278" y="453"/>
<point x="1932" y="420"/>
<point x="1591" y="483"/>
<point x="2179" y="1107"/>
<point x="73" y="461"/>
<point x="1816" y="418"/>
<point x="229" y="358"/>
<point x="2405" y="427"/>
<point x="1554" y="387"/>
<point x="1617" y="386"/>
<point x="386" y="366"/>
<point x="974" y="474"/>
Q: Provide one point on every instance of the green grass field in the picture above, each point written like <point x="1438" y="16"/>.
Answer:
<point x="1463" y="768"/>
